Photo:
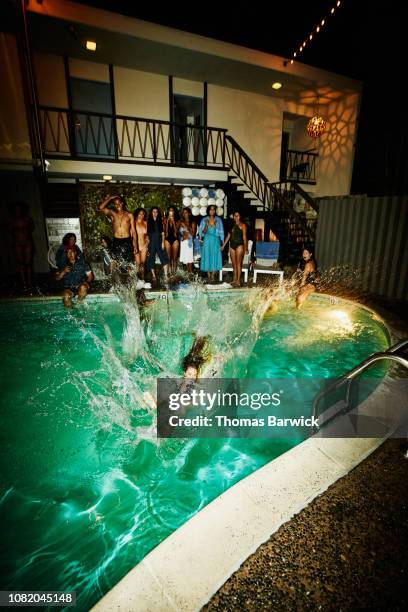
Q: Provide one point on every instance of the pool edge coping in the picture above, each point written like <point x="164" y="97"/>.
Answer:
<point x="175" y="576"/>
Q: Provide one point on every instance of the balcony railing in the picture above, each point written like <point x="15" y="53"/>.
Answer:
<point x="85" y="135"/>
<point x="299" y="166"/>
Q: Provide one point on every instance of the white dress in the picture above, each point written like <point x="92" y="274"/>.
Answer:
<point x="186" y="248"/>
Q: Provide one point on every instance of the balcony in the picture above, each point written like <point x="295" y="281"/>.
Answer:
<point x="299" y="166"/>
<point x="81" y="135"/>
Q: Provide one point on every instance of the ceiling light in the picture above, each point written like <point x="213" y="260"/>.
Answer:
<point x="90" y="45"/>
<point x="107" y="177"/>
<point x="276" y="85"/>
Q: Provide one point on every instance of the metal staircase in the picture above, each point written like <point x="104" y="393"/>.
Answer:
<point x="279" y="201"/>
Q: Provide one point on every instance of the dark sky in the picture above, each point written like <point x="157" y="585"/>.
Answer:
<point x="363" y="39"/>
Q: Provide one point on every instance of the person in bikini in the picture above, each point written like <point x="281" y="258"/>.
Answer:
<point x="237" y="238"/>
<point x="171" y="237"/>
<point x="308" y="269"/>
<point x="142" y="240"/>
<point x="124" y="242"/>
<point x="22" y="227"/>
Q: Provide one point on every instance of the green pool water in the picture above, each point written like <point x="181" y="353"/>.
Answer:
<point x="86" y="488"/>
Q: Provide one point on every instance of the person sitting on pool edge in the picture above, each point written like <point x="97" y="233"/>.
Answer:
<point x="76" y="276"/>
<point x="308" y="266"/>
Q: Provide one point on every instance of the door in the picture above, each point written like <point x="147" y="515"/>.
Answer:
<point x="94" y="134"/>
<point x="189" y="133"/>
<point x="284" y="155"/>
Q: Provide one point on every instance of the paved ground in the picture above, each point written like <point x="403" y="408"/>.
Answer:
<point x="348" y="550"/>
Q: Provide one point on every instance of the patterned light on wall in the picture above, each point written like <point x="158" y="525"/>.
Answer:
<point x="316" y="126"/>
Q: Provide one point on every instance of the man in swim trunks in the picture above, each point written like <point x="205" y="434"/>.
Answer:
<point x="76" y="276"/>
<point x="124" y="243"/>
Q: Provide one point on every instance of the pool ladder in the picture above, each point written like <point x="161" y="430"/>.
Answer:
<point x="391" y="354"/>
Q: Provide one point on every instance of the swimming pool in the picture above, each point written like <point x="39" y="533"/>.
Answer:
<point x="86" y="489"/>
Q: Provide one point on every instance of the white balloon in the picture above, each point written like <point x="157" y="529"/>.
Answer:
<point x="195" y="210"/>
<point x="220" y="193"/>
<point x="195" y="201"/>
<point x="220" y="211"/>
<point x="203" y="211"/>
<point x="203" y="202"/>
<point x="203" y="192"/>
<point x="219" y="202"/>
<point x="187" y="191"/>
<point x="186" y="201"/>
<point x="211" y="201"/>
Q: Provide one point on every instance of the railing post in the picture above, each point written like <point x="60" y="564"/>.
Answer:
<point x="205" y="145"/>
<point x="154" y="143"/>
<point x="71" y="132"/>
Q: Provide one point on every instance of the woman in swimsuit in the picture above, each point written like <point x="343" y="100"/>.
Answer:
<point x="171" y="240"/>
<point x="155" y="237"/>
<point x="309" y="276"/>
<point x="141" y="231"/>
<point x="187" y="231"/>
<point x="237" y="238"/>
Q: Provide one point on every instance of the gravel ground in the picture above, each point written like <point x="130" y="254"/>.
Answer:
<point x="348" y="550"/>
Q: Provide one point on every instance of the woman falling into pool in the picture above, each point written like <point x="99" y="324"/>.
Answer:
<point x="308" y="283"/>
<point x="237" y="238"/>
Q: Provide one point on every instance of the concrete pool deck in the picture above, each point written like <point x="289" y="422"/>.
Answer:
<point x="346" y="551"/>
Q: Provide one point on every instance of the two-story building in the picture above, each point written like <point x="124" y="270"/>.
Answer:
<point x="91" y="96"/>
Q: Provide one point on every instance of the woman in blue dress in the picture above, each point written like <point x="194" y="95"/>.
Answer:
<point x="211" y="231"/>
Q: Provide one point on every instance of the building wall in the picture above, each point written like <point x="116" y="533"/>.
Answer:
<point x="335" y="147"/>
<point x="253" y="120"/>
<point x="14" y="134"/>
<point x="362" y="241"/>
<point x="50" y="79"/>
<point x="141" y="94"/>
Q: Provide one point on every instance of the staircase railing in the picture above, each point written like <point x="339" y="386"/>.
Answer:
<point x="267" y="193"/>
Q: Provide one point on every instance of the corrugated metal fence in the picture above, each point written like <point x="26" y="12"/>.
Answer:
<point x="366" y="240"/>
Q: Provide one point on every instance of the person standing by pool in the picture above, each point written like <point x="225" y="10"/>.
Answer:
<point x="171" y="237"/>
<point x="187" y="231"/>
<point x="211" y="231"/>
<point x="124" y="242"/>
<point x="22" y="227"/>
<point x="155" y="235"/>
<point x="107" y="261"/>
<point x="308" y="282"/>
<point x="237" y="238"/>
<point x="76" y="276"/>
<point x="141" y="231"/>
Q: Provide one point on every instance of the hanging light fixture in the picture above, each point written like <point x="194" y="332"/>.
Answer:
<point x="316" y="125"/>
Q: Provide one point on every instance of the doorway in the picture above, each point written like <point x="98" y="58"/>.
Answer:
<point x="189" y="133"/>
<point x="94" y="134"/>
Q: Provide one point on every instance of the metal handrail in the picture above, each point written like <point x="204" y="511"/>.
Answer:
<point x="348" y="378"/>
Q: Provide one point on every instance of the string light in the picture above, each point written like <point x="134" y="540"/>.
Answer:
<point x="315" y="30"/>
